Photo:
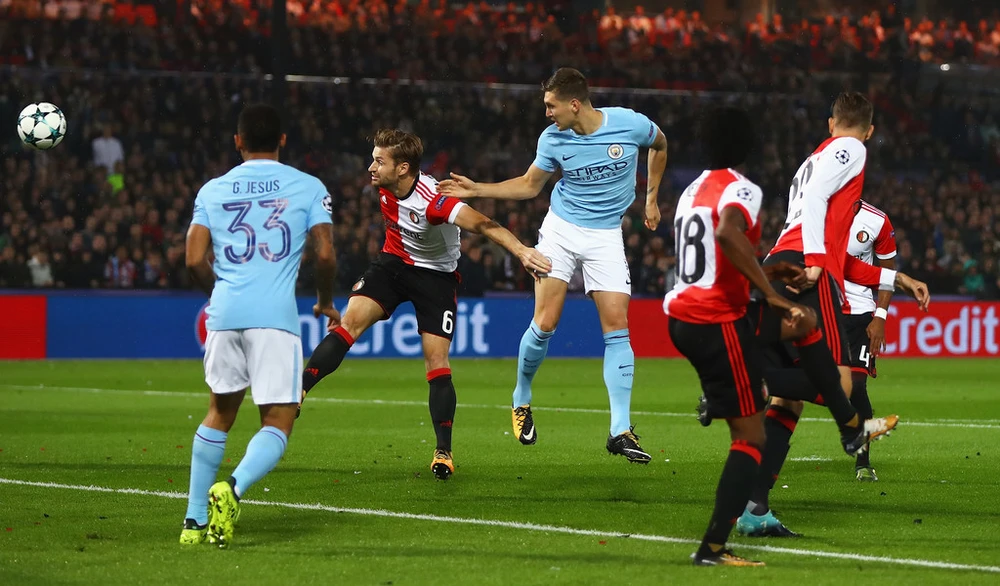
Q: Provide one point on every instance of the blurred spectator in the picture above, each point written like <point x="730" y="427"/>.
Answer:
<point x="120" y="272"/>
<point x="41" y="270"/>
<point x="475" y="278"/>
<point x="108" y="151"/>
<point x="973" y="282"/>
<point x="116" y="179"/>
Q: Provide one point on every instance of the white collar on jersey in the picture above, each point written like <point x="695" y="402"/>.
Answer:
<point x="261" y="162"/>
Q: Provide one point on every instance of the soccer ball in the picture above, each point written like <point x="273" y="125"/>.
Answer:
<point x="41" y="126"/>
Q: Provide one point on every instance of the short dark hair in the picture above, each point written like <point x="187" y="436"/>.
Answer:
<point x="727" y="136"/>
<point x="852" y="110"/>
<point x="259" y="128"/>
<point x="567" y="84"/>
<point x="403" y="147"/>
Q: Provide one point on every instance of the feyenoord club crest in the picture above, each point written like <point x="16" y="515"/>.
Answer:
<point x="414" y="217"/>
<point x="863" y="237"/>
<point x="357" y="286"/>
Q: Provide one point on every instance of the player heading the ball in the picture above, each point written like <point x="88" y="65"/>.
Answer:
<point x="597" y="150"/>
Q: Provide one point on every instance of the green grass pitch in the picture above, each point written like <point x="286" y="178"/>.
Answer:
<point x="559" y="512"/>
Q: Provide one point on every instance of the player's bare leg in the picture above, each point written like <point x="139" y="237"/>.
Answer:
<point x="619" y="371"/>
<point x="550" y="296"/>
<point x="207" y="450"/>
<point x="361" y="314"/>
<point x="747" y="434"/>
<point x="441" y="400"/>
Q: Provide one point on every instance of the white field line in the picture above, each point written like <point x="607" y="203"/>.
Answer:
<point x="523" y="526"/>
<point x="958" y="423"/>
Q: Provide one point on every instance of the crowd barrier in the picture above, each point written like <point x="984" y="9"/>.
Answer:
<point x="70" y="324"/>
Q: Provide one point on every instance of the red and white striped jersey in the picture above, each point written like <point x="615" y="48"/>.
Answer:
<point x="872" y="237"/>
<point x="709" y="288"/>
<point x="822" y="201"/>
<point x="419" y="228"/>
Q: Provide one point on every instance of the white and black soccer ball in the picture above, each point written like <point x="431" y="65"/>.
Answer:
<point x="41" y="126"/>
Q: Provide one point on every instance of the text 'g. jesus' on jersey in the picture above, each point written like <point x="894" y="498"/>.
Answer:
<point x="822" y="201"/>
<point x="598" y="169"/>
<point x="709" y="288"/>
<point x="872" y="237"/>
<point x="259" y="214"/>
<point x="419" y="228"/>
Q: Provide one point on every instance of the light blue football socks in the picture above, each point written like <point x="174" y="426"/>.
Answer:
<point x="206" y="456"/>
<point x="619" y="368"/>
<point x="263" y="453"/>
<point x="534" y="345"/>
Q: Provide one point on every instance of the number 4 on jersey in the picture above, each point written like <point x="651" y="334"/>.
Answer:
<point x="865" y="356"/>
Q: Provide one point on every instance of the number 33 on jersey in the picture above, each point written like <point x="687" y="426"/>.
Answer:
<point x="709" y="288"/>
<point x="259" y="214"/>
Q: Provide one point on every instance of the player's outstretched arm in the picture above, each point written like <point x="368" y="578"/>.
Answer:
<point x="526" y="186"/>
<point x="326" y="269"/>
<point x="475" y="222"/>
<point x="867" y="275"/>
<point x="732" y="239"/>
<point x="199" y="241"/>
<point x="656" y="164"/>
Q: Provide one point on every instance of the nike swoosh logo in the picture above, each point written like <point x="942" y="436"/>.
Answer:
<point x="530" y="435"/>
<point x="638" y="452"/>
<point x="568" y="157"/>
<point x="621" y="366"/>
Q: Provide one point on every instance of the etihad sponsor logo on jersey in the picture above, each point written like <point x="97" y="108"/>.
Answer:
<point x="597" y="172"/>
<point x="391" y="225"/>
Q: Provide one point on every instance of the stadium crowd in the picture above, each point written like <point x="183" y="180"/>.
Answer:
<point x="109" y="207"/>
<point x="475" y="42"/>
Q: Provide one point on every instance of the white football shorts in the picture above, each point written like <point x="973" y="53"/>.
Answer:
<point x="601" y="252"/>
<point x="267" y="360"/>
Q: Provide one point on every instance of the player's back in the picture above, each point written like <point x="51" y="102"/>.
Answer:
<point x="709" y="288"/>
<point x="259" y="215"/>
<point x="835" y="172"/>
<point x="598" y="169"/>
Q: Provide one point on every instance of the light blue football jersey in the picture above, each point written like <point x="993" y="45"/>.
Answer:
<point x="599" y="169"/>
<point x="259" y="214"/>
